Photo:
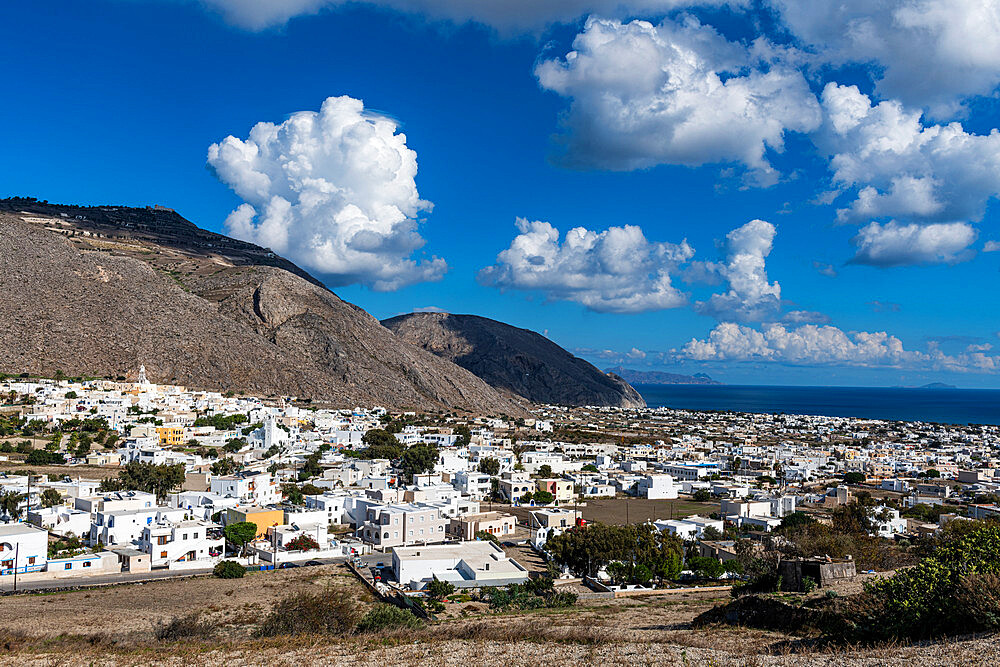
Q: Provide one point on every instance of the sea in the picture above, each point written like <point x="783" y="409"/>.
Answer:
<point x="948" y="406"/>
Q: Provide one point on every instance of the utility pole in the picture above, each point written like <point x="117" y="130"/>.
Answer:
<point x="17" y="552"/>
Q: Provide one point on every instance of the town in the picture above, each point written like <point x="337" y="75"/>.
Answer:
<point x="121" y="480"/>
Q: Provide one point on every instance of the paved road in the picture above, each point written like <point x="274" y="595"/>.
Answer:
<point x="122" y="578"/>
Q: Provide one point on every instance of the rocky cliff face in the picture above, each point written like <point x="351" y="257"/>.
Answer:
<point x="513" y="359"/>
<point x="99" y="291"/>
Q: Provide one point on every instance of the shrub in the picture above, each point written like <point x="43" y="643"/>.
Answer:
<point x="229" y="569"/>
<point x="438" y="589"/>
<point x="808" y="584"/>
<point x="183" y="627"/>
<point x="387" y="617"/>
<point x="332" y="612"/>
<point x="955" y="590"/>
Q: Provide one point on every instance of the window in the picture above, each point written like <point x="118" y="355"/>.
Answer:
<point x="161" y="539"/>
<point x="31" y="560"/>
<point x="184" y="536"/>
<point x="163" y="554"/>
<point x="195" y="536"/>
<point x="86" y="563"/>
<point x="68" y="566"/>
<point x="385" y="536"/>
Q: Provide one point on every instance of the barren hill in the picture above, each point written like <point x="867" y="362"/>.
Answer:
<point x="514" y="359"/>
<point x="100" y="290"/>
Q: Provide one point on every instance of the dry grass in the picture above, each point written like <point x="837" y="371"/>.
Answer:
<point x="651" y="631"/>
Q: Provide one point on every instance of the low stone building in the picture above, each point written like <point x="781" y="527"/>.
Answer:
<point x="822" y="571"/>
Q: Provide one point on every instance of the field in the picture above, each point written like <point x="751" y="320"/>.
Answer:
<point x="633" y="510"/>
<point x="113" y="626"/>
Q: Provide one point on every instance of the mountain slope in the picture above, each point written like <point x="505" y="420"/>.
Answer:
<point x="517" y="360"/>
<point x="659" y="377"/>
<point x="99" y="291"/>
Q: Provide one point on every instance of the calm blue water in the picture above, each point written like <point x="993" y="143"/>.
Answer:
<point x="952" y="406"/>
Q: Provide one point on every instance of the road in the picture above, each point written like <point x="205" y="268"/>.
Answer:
<point x="7" y="585"/>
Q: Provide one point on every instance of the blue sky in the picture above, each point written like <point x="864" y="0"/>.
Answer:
<point x="859" y="139"/>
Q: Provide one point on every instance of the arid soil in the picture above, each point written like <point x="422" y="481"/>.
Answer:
<point x="113" y="627"/>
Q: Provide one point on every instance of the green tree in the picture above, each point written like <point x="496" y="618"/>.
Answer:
<point x="148" y="477"/>
<point x="439" y="590"/>
<point x="224" y="466"/>
<point x="590" y="467"/>
<point x="10" y="503"/>
<point x="703" y="495"/>
<point x="229" y="569"/>
<point x="40" y="457"/>
<point x="71" y="394"/>
<point x="234" y="445"/>
<point x="50" y="497"/>
<point x="417" y="460"/>
<point x="292" y="493"/>
<point x="543" y="497"/>
<point x="854" y="477"/>
<point x="486" y="537"/>
<point x="489" y="466"/>
<point x="240" y="534"/>
<point x="705" y="567"/>
<point x="24" y="447"/>
<point x="464" y="435"/>
<point x="545" y="471"/>
<point x="795" y="520"/>
<point x="381" y="445"/>
<point x="586" y="549"/>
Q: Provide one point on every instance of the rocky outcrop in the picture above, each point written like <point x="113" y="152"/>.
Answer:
<point x="516" y="360"/>
<point x="89" y="294"/>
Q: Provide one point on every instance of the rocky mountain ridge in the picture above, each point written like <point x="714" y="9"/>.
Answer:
<point x="101" y="290"/>
<point x="516" y="360"/>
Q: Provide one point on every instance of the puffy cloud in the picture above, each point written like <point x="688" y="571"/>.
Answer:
<point x="991" y="246"/>
<point x="507" y="16"/>
<point x="333" y="191"/>
<point x="810" y="345"/>
<point x="928" y="53"/>
<point x="616" y="270"/>
<point x="750" y="296"/>
<point x="902" y="169"/>
<point x="674" y="93"/>
<point x="893" y="244"/>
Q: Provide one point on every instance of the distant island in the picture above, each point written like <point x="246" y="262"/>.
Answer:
<point x="657" y="377"/>
<point x="937" y="385"/>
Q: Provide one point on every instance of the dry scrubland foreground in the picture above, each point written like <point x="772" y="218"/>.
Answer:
<point x="114" y="626"/>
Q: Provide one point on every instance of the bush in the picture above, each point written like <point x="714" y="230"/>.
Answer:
<point x="184" y="627"/>
<point x="438" y="589"/>
<point x="229" y="569"/>
<point x="702" y="495"/>
<point x="333" y="612"/>
<point x="387" y="617"/>
<point x="953" y="591"/>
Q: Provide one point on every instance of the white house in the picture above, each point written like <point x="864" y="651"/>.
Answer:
<point x="657" y="487"/>
<point x="23" y="547"/>
<point x="466" y="565"/>
<point x="184" y="541"/>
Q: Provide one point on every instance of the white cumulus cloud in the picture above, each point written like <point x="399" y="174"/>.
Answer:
<point x="901" y="168"/>
<point x="333" y="191"/>
<point x="751" y="297"/>
<point x="616" y="270"/>
<point x="674" y="93"/>
<point x="508" y="16"/>
<point x="810" y="345"/>
<point x="926" y="53"/>
<point x="893" y="244"/>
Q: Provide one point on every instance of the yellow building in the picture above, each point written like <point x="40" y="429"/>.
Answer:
<point x="262" y="517"/>
<point x="170" y="436"/>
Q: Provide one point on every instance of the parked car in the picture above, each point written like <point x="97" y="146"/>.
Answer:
<point x="285" y="566"/>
